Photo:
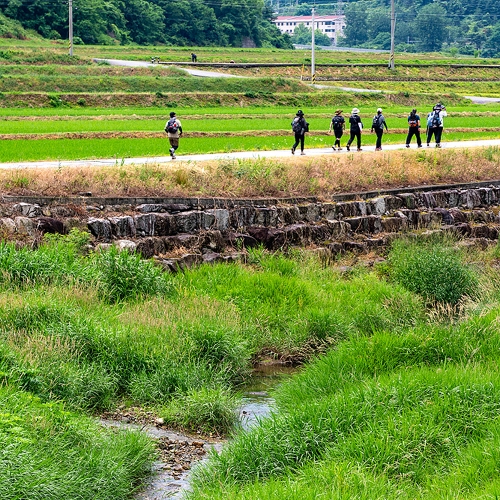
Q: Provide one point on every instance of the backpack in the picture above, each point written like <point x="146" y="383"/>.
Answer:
<point x="434" y="120"/>
<point x="337" y="122"/>
<point x="172" y="126"/>
<point x="297" y="125"/>
<point x="376" y="121"/>
<point x="412" y="120"/>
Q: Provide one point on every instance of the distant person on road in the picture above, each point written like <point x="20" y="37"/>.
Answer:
<point x="413" y="128"/>
<point x="173" y="128"/>
<point x="299" y="128"/>
<point x="194" y="58"/>
<point x="435" y="124"/>
<point x="337" y="125"/>
<point x="356" y="126"/>
<point x="378" y="124"/>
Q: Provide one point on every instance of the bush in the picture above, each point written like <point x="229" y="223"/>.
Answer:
<point x="210" y="411"/>
<point x="57" y="260"/>
<point x="125" y="275"/>
<point x="431" y="269"/>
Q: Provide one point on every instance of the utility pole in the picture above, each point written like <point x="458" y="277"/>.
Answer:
<point x="393" y="30"/>
<point x="313" y="68"/>
<point x="70" y="15"/>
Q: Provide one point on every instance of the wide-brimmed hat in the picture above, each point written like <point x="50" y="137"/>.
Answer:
<point x="338" y="112"/>
<point x="355" y="111"/>
<point x="172" y="114"/>
<point x="300" y="112"/>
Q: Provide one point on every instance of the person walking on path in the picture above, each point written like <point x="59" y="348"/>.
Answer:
<point x="337" y="125"/>
<point x="356" y="126"/>
<point x="173" y="128"/>
<point x="299" y="128"/>
<point x="435" y="124"/>
<point x="378" y="125"/>
<point x="413" y="128"/>
<point x="194" y="57"/>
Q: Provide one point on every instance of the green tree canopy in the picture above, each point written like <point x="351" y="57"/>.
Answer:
<point x="431" y="27"/>
<point x="303" y="36"/>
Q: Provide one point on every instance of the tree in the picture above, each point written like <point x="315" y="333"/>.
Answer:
<point x="492" y="44"/>
<point x="44" y="16"/>
<point x="303" y="36"/>
<point x="356" y="30"/>
<point x="430" y="26"/>
<point x="145" y="21"/>
<point x="94" y="19"/>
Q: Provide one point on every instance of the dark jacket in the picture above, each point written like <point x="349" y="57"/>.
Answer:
<point x="303" y="125"/>
<point x="354" y="121"/>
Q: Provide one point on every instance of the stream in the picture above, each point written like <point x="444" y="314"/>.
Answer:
<point x="170" y="477"/>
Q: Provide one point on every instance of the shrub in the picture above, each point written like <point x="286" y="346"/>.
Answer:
<point x="210" y="411"/>
<point x="431" y="269"/>
<point x="125" y="275"/>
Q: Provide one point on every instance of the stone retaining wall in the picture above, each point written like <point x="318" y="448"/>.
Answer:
<point x="196" y="230"/>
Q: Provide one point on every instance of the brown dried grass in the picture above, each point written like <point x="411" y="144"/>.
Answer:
<point x="296" y="176"/>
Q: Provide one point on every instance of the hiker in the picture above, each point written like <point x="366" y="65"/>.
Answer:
<point x="299" y="128"/>
<point x="194" y="58"/>
<point x="413" y="128"/>
<point x="356" y="126"/>
<point x="378" y="125"/>
<point x="435" y="124"/>
<point x="174" y="130"/>
<point x="337" y="125"/>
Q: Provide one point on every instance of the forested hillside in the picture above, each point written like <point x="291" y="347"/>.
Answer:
<point x="463" y="26"/>
<point x="180" y="22"/>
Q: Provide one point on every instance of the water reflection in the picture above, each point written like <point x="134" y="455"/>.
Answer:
<point x="256" y="401"/>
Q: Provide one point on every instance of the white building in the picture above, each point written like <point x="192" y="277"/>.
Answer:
<point x="331" y="26"/>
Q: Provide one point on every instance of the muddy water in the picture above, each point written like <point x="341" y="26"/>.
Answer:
<point x="168" y="483"/>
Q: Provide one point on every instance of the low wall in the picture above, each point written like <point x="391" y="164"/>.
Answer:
<point x="182" y="231"/>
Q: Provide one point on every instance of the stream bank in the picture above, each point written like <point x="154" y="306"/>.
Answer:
<point x="178" y="452"/>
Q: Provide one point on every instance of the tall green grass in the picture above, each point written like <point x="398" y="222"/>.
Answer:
<point x="47" y="452"/>
<point x="397" y="402"/>
<point x="415" y="413"/>
<point x="432" y="269"/>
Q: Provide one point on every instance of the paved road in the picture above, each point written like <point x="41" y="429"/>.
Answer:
<point x="195" y="158"/>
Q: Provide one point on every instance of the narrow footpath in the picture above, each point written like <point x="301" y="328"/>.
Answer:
<point x="240" y="155"/>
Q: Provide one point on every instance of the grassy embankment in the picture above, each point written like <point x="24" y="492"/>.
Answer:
<point x="320" y="177"/>
<point x="403" y="412"/>
<point x="415" y="338"/>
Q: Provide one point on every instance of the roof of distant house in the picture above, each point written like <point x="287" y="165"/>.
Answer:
<point x="299" y="19"/>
